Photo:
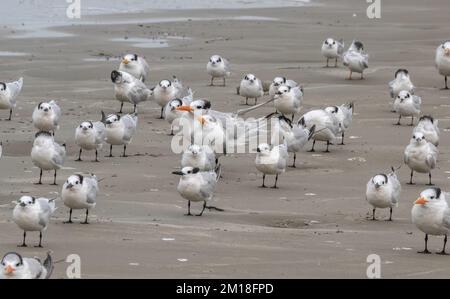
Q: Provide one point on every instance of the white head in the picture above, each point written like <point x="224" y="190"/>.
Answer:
<point x="74" y="183"/>
<point x="283" y="89"/>
<point x="26" y="202"/>
<point x="446" y="48"/>
<point x="278" y="81"/>
<point x="332" y="109"/>
<point x="263" y="149"/>
<point x="430" y="197"/>
<point x="130" y="60"/>
<point x="2" y="87"/>
<point x="86" y="127"/>
<point x="174" y="104"/>
<point x="45" y="108"/>
<point x="250" y="79"/>
<point x="216" y="60"/>
<point x="165" y="84"/>
<point x="194" y="150"/>
<point x="379" y="181"/>
<point x="112" y="120"/>
<point x="196" y="106"/>
<point x="403" y="96"/>
<point x="42" y="138"/>
<point x="419" y="138"/>
<point x="330" y="43"/>
<point x="11" y="264"/>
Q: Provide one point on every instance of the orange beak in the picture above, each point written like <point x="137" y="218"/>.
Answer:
<point x="125" y="61"/>
<point x="185" y="108"/>
<point x="421" y="201"/>
<point x="447" y="51"/>
<point x="9" y="270"/>
<point x="202" y="120"/>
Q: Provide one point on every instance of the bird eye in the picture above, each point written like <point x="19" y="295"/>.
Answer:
<point x="17" y="265"/>
<point x="76" y="183"/>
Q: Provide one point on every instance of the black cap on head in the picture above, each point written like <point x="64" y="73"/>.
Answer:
<point x="405" y="71"/>
<point x="80" y="177"/>
<point x="427" y="117"/>
<point x="43" y="133"/>
<point x="438" y="192"/>
<point x="4" y="85"/>
<point x="115" y="75"/>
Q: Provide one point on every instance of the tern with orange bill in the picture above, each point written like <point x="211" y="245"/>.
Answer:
<point x="136" y="66"/>
<point x="14" y="266"/>
<point x="431" y="215"/>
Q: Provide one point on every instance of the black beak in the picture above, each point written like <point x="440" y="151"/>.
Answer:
<point x="258" y="150"/>
<point x="46" y="110"/>
<point x="178" y="173"/>
<point x="69" y="186"/>
<point x="23" y="205"/>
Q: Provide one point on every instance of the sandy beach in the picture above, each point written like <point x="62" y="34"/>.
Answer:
<point x="315" y="226"/>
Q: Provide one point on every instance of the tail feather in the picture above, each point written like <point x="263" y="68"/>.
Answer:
<point x="48" y="265"/>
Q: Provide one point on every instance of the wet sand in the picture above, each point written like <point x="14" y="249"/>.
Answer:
<point x="315" y="226"/>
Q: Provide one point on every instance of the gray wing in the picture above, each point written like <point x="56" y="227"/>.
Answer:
<point x="417" y="102"/>
<point x="298" y="94"/>
<point x="60" y="154"/>
<point x="45" y="211"/>
<point x="341" y="46"/>
<point x="364" y="61"/>
<point x="146" y="67"/>
<point x="34" y="267"/>
<point x="130" y="123"/>
<point x="15" y="88"/>
<point x="209" y="184"/>
<point x="56" y="109"/>
<point x="391" y="88"/>
<point x="227" y="65"/>
<point x="100" y="132"/>
<point x="139" y="93"/>
<point x="396" y="188"/>
<point x="432" y="157"/>
<point x="93" y="189"/>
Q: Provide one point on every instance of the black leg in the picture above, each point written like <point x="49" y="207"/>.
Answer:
<point x="264" y="181"/>
<point x="256" y="101"/>
<point x="246" y="101"/>
<point x="189" y="209"/>
<point x="87" y="216"/>
<point x="121" y="107"/>
<point x="373" y="214"/>
<point x="328" y="59"/>
<point x="312" y="150"/>
<point x="96" y="156"/>
<point x="446" y="85"/>
<point x="224" y="81"/>
<point x="135" y="107"/>
<point x="70" y="218"/>
<point x="412" y="122"/>
<point x="328" y="147"/>
<point x="10" y="114"/>
<point x="54" y="179"/>
<point x="295" y="158"/>
<point x="79" y="156"/>
<point x="40" y="179"/>
<point x="362" y="76"/>
<point x="24" y="237"/>
<point x="430" y="183"/>
<point x="212" y="81"/>
<point x="399" y="123"/>
<point x="411" y="181"/>
<point x="40" y="241"/>
<point x="276" y="181"/>
<point x="162" y="113"/>
<point x="110" y="151"/>
<point x="343" y="136"/>
<point x="293" y="117"/>
<point x="390" y="214"/>
<point x="335" y="63"/>
<point x="124" y="151"/>
<point x="203" y="210"/>
<point x="445" y="245"/>
<point x="426" y="246"/>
